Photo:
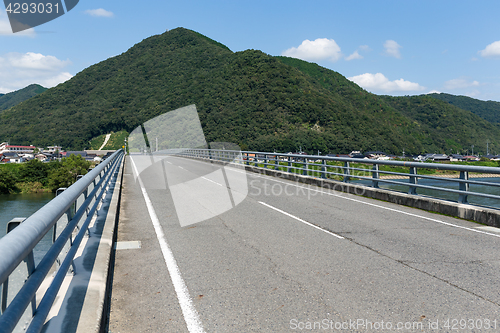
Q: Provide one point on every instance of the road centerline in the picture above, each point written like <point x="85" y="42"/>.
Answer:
<point x="381" y="207"/>
<point x="301" y="220"/>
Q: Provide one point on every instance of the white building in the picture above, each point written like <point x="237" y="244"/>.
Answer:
<point x="6" y="148"/>
<point x="53" y="149"/>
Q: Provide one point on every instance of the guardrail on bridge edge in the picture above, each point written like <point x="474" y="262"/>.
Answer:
<point x="19" y="244"/>
<point x="285" y="166"/>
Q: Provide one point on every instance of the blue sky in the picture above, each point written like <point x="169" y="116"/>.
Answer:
<point x="388" y="47"/>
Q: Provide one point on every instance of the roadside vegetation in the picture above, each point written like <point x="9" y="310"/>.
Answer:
<point x="35" y="176"/>
<point x="115" y="141"/>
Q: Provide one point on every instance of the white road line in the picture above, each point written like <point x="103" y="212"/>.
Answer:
<point x="386" y="208"/>
<point x="301" y="220"/>
<point x="181" y="167"/>
<point x="370" y="204"/>
<point x="189" y="312"/>
<point x="210" y="180"/>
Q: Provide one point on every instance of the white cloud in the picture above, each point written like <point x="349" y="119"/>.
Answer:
<point x="18" y="70"/>
<point x="6" y="30"/>
<point x="434" y="92"/>
<point x="53" y="81"/>
<point x="319" y="49"/>
<point x="99" y="12"/>
<point x="36" y="61"/>
<point x="356" y="55"/>
<point x="460" y="83"/>
<point x="491" y="51"/>
<point x="378" y="82"/>
<point x="392" y="49"/>
<point x="353" y="56"/>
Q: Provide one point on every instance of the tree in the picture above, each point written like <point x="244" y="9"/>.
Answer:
<point x="67" y="174"/>
<point x="7" y="182"/>
<point x="33" y="171"/>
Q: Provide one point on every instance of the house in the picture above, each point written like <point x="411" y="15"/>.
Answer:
<point x="84" y="154"/>
<point x="456" y="158"/>
<point x="356" y="154"/>
<point x="440" y="157"/>
<point x="53" y="149"/>
<point x="43" y="157"/>
<point x="5" y="147"/>
<point x="471" y="158"/>
<point x="432" y="157"/>
<point x="81" y="153"/>
<point x="377" y="155"/>
<point x="493" y="157"/>
<point x="8" y="157"/>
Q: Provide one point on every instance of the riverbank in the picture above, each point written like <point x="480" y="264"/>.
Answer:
<point x="32" y="188"/>
<point x="35" y="176"/>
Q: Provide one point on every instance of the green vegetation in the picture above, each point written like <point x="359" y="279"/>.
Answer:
<point x="257" y="101"/>
<point x="35" y="176"/>
<point x="18" y="96"/>
<point x="444" y="128"/>
<point x="116" y="141"/>
<point x="488" y="110"/>
<point x="97" y="142"/>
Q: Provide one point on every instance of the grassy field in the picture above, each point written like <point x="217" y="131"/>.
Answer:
<point x="115" y="141"/>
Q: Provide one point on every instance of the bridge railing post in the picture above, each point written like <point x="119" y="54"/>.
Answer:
<point x="347" y="172"/>
<point x="323" y="169"/>
<point x="463" y="186"/>
<point x="375" y="176"/>
<point x="305" y="167"/>
<point x="413" y="180"/>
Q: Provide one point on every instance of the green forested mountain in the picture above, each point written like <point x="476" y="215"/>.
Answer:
<point x="489" y="110"/>
<point x="249" y="98"/>
<point x="18" y="96"/>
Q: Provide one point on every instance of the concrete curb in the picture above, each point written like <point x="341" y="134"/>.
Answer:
<point x="484" y="215"/>
<point x="93" y="315"/>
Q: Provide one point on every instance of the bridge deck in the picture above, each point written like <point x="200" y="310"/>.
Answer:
<point x="291" y="257"/>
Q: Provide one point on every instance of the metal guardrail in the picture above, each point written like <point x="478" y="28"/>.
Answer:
<point x="18" y="245"/>
<point x="347" y="169"/>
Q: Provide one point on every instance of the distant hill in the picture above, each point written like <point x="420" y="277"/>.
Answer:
<point x="18" y="96"/>
<point x="255" y="100"/>
<point x="488" y="110"/>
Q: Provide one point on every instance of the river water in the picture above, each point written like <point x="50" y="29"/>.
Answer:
<point x="20" y="205"/>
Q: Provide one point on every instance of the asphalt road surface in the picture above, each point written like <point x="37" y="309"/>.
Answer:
<point x="279" y="256"/>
